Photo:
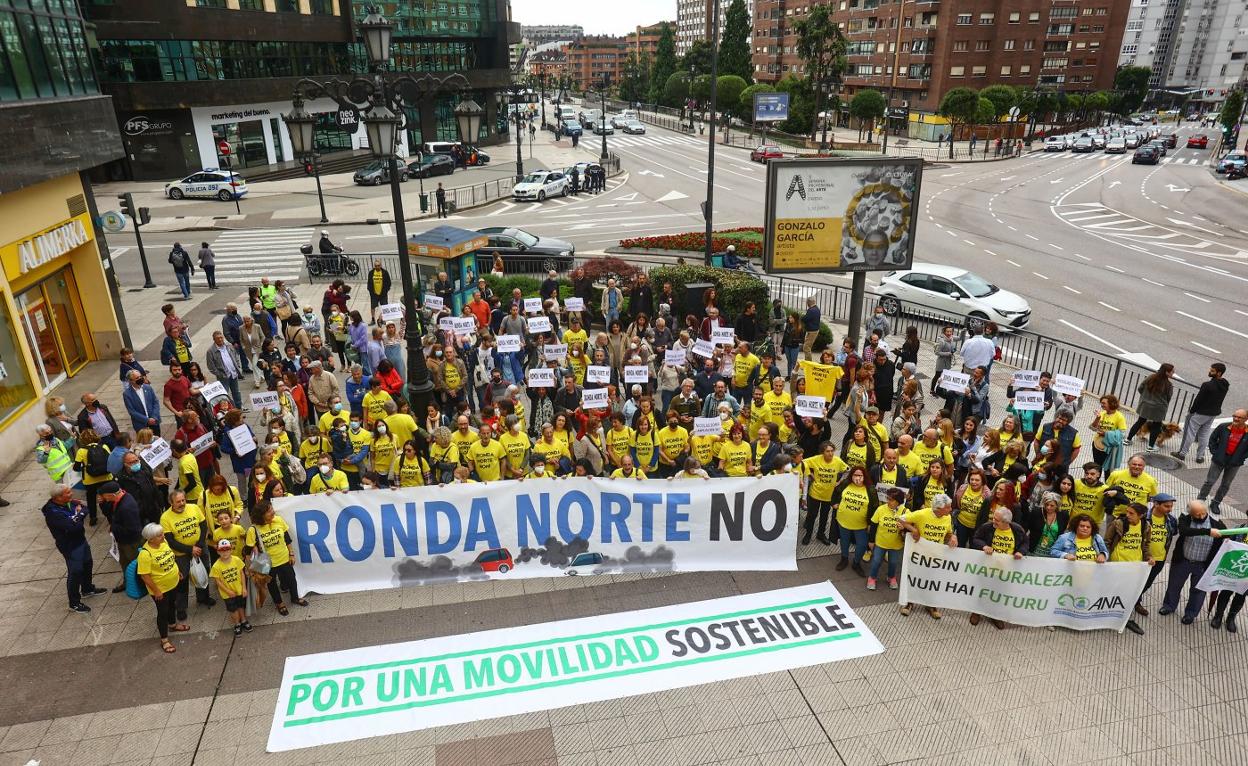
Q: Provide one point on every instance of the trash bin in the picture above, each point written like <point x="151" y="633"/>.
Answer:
<point x="424" y="202"/>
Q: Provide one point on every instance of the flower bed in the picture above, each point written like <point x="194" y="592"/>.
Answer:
<point x="695" y="241"/>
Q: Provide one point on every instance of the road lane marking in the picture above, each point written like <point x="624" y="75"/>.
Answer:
<point x="1084" y="257"/>
<point x="1151" y="282"/>
<point x="972" y="244"/>
<point x="1073" y="290"/>
<point x="1077" y="328"/>
<point x="1154" y="326"/>
<point x="989" y="252"/>
<point x="1038" y="274"/>
<point x="1111" y="308"/>
<point x="1210" y="349"/>
<point x="1212" y="324"/>
<point x="1056" y="247"/>
<point x="1198" y="297"/>
<point x="1013" y="263"/>
<point x="1115" y="268"/>
<point x="1032" y="236"/>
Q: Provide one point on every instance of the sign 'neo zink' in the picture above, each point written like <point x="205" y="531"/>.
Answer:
<point x="540" y="528"/>
<point x="841" y="214"/>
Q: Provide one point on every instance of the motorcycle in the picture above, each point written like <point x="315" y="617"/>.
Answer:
<point x="329" y="264"/>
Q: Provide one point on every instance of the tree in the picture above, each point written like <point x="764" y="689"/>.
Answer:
<point x="801" y="103"/>
<point x="729" y="88"/>
<point x="700" y="91"/>
<point x="664" y="63"/>
<point x="866" y="106"/>
<point x="634" y="84"/>
<point x="734" y="43"/>
<point x="821" y="45"/>
<point x="1131" y="86"/>
<point x="676" y="91"/>
<point x="1097" y="103"/>
<point x="1003" y="98"/>
<point x="745" y="102"/>
<point x="1232" y="108"/>
<point x="1075" y="103"/>
<point x="697" y="59"/>
<point x="960" y="106"/>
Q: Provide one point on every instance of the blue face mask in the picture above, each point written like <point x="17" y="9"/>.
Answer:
<point x="338" y="407"/>
<point x="1044" y="450"/>
<point x="136" y="468"/>
<point x="275" y="409"/>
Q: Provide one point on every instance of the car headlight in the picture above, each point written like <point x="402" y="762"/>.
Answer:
<point x="565" y="253"/>
<point x="1005" y="313"/>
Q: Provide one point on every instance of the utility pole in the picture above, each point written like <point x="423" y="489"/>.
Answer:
<point x="708" y="208"/>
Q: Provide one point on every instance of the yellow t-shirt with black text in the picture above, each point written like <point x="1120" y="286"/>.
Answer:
<point x="161" y="564"/>
<point x="183" y="526"/>
<point x="229" y="577"/>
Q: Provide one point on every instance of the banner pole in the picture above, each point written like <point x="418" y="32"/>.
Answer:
<point x="856" y="298"/>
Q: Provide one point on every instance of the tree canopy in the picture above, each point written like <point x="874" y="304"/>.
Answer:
<point x="1131" y="86"/>
<point x="676" y="89"/>
<point x="961" y="107"/>
<point x="697" y="59"/>
<point x="821" y="45"/>
<point x="664" y="63"/>
<point x="1003" y="98"/>
<point x="734" y="43"/>
<point x="729" y="88"/>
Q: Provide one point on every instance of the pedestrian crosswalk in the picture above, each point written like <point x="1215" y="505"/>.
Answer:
<point x="246" y="255"/>
<point x="655" y="140"/>
<point x="1084" y="157"/>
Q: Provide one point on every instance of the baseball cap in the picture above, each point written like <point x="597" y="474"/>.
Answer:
<point x="224" y="544"/>
<point x="1163" y="497"/>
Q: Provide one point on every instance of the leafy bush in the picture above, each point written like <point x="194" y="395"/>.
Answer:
<point x="695" y="241"/>
<point x="502" y="286"/>
<point x="734" y="288"/>
<point x="600" y="268"/>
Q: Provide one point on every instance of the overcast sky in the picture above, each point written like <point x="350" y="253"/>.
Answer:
<point x="598" y="17"/>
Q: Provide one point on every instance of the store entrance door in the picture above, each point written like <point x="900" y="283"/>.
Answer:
<point x="37" y="320"/>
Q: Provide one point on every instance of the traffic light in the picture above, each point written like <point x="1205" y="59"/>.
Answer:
<point x="145" y="216"/>
<point x="127" y="205"/>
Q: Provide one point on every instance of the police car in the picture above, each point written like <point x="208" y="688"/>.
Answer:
<point x="222" y="184"/>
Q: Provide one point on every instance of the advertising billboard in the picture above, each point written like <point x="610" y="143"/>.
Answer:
<point x="841" y="215"/>
<point x="771" y="107"/>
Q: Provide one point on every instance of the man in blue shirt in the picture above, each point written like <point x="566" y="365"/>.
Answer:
<point x="810" y="325"/>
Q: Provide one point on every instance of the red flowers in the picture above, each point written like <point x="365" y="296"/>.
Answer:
<point x="696" y="241"/>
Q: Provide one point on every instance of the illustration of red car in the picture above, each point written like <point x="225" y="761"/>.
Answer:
<point x="495" y="560"/>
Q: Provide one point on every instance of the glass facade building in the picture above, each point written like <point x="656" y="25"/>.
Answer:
<point x="43" y="51"/>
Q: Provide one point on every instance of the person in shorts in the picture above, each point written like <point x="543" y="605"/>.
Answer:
<point x="229" y="574"/>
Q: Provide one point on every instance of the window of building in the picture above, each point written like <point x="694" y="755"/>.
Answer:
<point x="979" y="71"/>
<point x="43" y="54"/>
<point x="1005" y="71"/>
<point x="1024" y="68"/>
<point x="1098" y="28"/>
<point x="289" y="6"/>
<point x="957" y="71"/>
<point x="983" y="45"/>
<point x="1015" y="17"/>
<point x="321" y="7"/>
<point x="1129" y="49"/>
<point x="1029" y="45"/>
<point x="1007" y="45"/>
<point x="1033" y="17"/>
<point x="964" y="19"/>
<point x="210" y="4"/>
<point x="1055" y="63"/>
<point x="15" y="387"/>
<point x="959" y="46"/>
<point x="987" y="18"/>
<point x="251" y="5"/>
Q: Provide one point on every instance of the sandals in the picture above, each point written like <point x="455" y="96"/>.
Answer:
<point x="168" y="646"/>
<point x="181" y="627"/>
<point x="301" y="601"/>
<point x="282" y="610"/>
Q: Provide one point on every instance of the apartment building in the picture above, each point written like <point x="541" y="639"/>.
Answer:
<point x="536" y="34"/>
<point x="595" y="56"/>
<point x="694" y="17"/>
<point x="1195" y="48"/>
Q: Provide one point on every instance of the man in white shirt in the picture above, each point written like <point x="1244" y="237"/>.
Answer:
<point x="977" y="351"/>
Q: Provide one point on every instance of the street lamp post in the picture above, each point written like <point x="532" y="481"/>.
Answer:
<point x="302" y="127"/>
<point x="383" y="101"/>
<point x="601" y="90"/>
<point x="516" y="94"/>
<point x="708" y="207"/>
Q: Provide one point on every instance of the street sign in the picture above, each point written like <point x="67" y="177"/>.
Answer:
<point x="112" y="221"/>
<point x="223" y="148"/>
<point x="771" y="107"/>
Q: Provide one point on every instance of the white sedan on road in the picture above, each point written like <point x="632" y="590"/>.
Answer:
<point x="222" y="184"/>
<point x="541" y="184"/>
<point x="930" y="289"/>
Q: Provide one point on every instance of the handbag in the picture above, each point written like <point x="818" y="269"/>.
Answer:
<point x="261" y="564"/>
<point x="198" y="573"/>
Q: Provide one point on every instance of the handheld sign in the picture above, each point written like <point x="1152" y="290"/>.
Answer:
<point x="541" y="377"/>
<point x="810" y="406"/>
<point x="1029" y="401"/>
<point x="263" y="399"/>
<point x="539" y="324"/>
<point x="508" y="344"/>
<point x="704" y="348"/>
<point x="555" y="351"/>
<point x="722" y="336"/>
<point x="242" y="440"/>
<point x="597" y="373"/>
<point x="594" y="398"/>
<point x="532" y="305"/>
<point x="447" y="323"/>
<point x="213" y="390"/>
<point x="156" y="453"/>
<point x="707" y="427"/>
<point x="434" y="302"/>
<point x="1025" y="379"/>
<point x="1068" y="385"/>
<point x="954" y="382"/>
<point x="392" y="312"/>
<point x="463" y="325"/>
<point x="574" y="304"/>
<point x="675" y="357"/>
<point x="202" y="444"/>
<point x="636" y="373"/>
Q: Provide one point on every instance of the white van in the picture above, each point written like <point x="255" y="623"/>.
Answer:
<point x="567" y="112"/>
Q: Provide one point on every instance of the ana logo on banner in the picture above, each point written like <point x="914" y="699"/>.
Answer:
<point x="707" y="427"/>
<point x="594" y="398"/>
<point x="954" y="382"/>
<point x="392" y="312"/>
<point x="1068" y="385"/>
<point x="636" y="373"/>
<point x="1025" y="379"/>
<point x="722" y="336"/>
<point x="532" y="305"/>
<point x="434" y="302"/>
<point x="261" y="400"/>
<point x="1029" y="401"/>
<point x="541" y="377"/>
<point x="539" y="324"/>
<point x="508" y="344"/>
<point x="810" y="406"/>
<point x="704" y="348"/>
<point x="575" y="304"/>
<point x="597" y="373"/>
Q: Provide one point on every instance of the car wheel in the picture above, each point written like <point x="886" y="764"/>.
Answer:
<point x="402" y="178"/>
<point x="571" y="572"/>
<point x="503" y="569"/>
<point x="891" y="305"/>
<point x="175" y="194"/>
<point x="976" y="320"/>
<point x="541" y="196"/>
<point x="224" y="196"/>
<point x="550" y="264"/>
<point x="376" y="180"/>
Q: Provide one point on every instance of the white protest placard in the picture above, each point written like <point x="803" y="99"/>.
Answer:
<point x="1068" y="385"/>
<point x="532" y="305"/>
<point x="375" y="691"/>
<point x="463" y="325"/>
<point x="541" y="377"/>
<point x="539" y="324"/>
<point x="597" y="373"/>
<point x="263" y="399"/>
<point x="202" y="444"/>
<point x="636" y="373"/>
<point x="242" y="439"/>
<point x="447" y="323"/>
<point x="508" y="344"/>
<point x="1025" y="379"/>
<point x="704" y="348"/>
<point x="555" y="351"/>
<point x="434" y="302"/>
<point x="810" y="406"/>
<point x="594" y="398"/>
<point x="212" y="390"/>
<point x="574" y="304"/>
<point x="954" y="382"/>
<point x="392" y="312"/>
<point x="156" y="453"/>
<point x="675" y="357"/>
<point x="722" y="336"/>
<point x="1029" y="401"/>
<point x="707" y="427"/>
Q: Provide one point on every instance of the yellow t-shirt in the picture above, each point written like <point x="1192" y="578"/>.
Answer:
<point x="742" y="366"/>
<point x="927" y="454"/>
<point x="930" y="490"/>
<point x="968" y="509"/>
<point x="823" y="475"/>
<point x="410" y="473"/>
<point x="1158" y="536"/>
<point x="618" y="441"/>
<point x="1085" y="550"/>
<point x="637" y="474"/>
<point x="464" y="442"/>
<point x="488" y="459"/>
<point x="911" y="462"/>
<point x="326" y="421"/>
<point x="88" y="479"/>
<point x="1003" y="540"/>
<point x="183" y="526"/>
<point x="575" y="337"/>
<point x="931" y="527"/>
<point x="382" y="453"/>
<point x="181" y="350"/>
<point x="674" y="441"/>
<point x="450" y="374"/>
<point x="1116" y="421"/>
<point x="229" y="576"/>
<point x="551" y="451"/>
<point x="1137" y="490"/>
<point x="704" y="448"/>
<point x="888" y="531"/>
<point x="735" y="457"/>
<point x="374" y="407"/>
<point x="188" y="465"/>
<point x="888" y="478"/>
<point x="273" y="538"/>
<point x="517" y="447"/>
<point x="1131" y="546"/>
<point x="212" y="504"/>
<point x="310" y="453"/>
<point x="1089" y="500"/>
<point x="851" y="512"/>
<point x="318" y="482"/>
<point x="856" y="455"/>
<point x="161" y="564"/>
<point x="447" y="454"/>
<point x="236" y="535"/>
<point x="402" y="427"/>
<point x="775" y="405"/>
<point x="579" y="365"/>
<point x="359" y="439"/>
<point x="758" y="416"/>
<point x="644" y="448"/>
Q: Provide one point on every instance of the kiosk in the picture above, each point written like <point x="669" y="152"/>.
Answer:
<point x="449" y="249"/>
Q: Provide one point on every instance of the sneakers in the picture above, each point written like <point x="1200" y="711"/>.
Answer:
<point x="246" y="626"/>
<point x="934" y="613"/>
<point x="1179" y="456"/>
<point x="80" y="608"/>
<point x="238" y="630"/>
<point x="1152" y="448"/>
<point x="892" y="583"/>
<point x="870" y="583"/>
<point x="905" y="610"/>
<point x="95" y="591"/>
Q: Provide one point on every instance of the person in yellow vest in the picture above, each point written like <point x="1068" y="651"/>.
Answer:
<point x="736" y="457"/>
<point x="186" y="531"/>
<point x="228" y="572"/>
<point x="1127" y="540"/>
<point x="855" y="502"/>
<point x="486" y="456"/>
<point x="158" y="568"/>
<point x="268" y="296"/>
<point x="1088" y="495"/>
<point x="886" y="535"/>
<point x="627" y="471"/>
<point x="383" y="451"/>
<point x="935" y="524"/>
<point x="327" y="479"/>
<point x="619" y="439"/>
<point x="823" y="471"/>
<point x="877" y="432"/>
<point x="744" y="372"/>
<point x="1001" y="535"/>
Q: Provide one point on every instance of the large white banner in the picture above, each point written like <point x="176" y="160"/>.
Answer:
<point x="378" y="690"/>
<point x="506" y="530"/>
<point x="1035" y="591"/>
<point x="1229" y="571"/>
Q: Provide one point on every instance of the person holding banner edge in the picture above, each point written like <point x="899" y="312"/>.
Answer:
<point x="1000" y="535"/>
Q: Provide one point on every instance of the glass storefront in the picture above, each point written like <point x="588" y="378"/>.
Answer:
<point x="15" y="386"/>
<point x="50" y="315"/>
<point x="246" y="140"/>
<point x="329" y="137"/>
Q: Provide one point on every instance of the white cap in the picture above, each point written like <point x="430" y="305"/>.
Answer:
<point x="325" y="232"/>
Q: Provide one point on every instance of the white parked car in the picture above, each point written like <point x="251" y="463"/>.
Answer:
<point x="953" y="292"/>
<point x="541" y="184"/>
<point x="225" y="185"/>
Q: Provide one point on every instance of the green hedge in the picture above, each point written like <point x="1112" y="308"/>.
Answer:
<point x="735" y="289"/>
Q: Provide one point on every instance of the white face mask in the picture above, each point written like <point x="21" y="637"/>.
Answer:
<point x="261" y="477"/>
<point x="539" y="468"/>
<point x="381" y="429"/>
<point x="326" y="469"/>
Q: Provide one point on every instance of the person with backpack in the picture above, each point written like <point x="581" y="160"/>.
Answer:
<point x="64" y="516"/>
<point x="183" y="268"/>
<point x="156" y="567"/>
<point x="92" y="462"/>
<point x="125" y="523"/>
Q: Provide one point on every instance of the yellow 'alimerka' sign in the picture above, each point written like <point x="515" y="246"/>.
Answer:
<point x="841" y="215"/>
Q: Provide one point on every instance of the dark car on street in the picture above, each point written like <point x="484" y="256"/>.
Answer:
<point x="1172" y="140"/>
<point x="432" y="165"/>
<point x="526" y="253"/>
<point x="1146" y="155"/>
<point x="377" y="172"/>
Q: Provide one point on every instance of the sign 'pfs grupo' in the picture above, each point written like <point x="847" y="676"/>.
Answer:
<point x="540" y="528"/>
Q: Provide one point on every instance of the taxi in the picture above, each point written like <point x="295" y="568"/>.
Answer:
<point x="225" y="185"/>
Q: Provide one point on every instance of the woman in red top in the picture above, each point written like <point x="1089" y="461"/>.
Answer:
<point x="391" y="380"/>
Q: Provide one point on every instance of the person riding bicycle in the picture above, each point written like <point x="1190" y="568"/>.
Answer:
<point x="327" y="247"/>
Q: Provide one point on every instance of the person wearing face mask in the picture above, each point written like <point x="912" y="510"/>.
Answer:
<point x="382" y="453"/>
<point x="144" y="487"/>
<point x="335" y="411"/>
<point x="191" y="430"/>
<point x="410" y="469"/>
<point x="327" y="479"/>
<point x="373" y="405"/>
<point x="360" y="444"/>
<point x="537" y="469"/>
<point x="241" y="463"/>
<point x="313" y="446"/>
<point x="516" y="445"/>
